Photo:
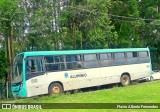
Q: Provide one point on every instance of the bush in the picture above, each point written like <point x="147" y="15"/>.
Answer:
<point x="3" y="65"/>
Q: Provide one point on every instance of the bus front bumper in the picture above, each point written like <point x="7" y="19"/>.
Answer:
<point x="20" y="93"/>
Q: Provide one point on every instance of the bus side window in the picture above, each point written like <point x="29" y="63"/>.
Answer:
<point x="73" y="61"/>
<point x="105" y="59"/>
<point x="33" y="69"/>
<point x="34" y="65"/>
<point x="132" y="58"/>
<point x="120" y="58"/>
<point x="54" y="63"/>
<point x="90" y="61"/>
<point x="28" y="66"/>
<point x="143" y="57"/>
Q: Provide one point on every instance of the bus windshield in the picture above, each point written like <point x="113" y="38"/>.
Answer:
<point x="17" y="70"/>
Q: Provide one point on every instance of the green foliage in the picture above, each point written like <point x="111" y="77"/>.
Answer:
<point x="8" y="13"/>
<point x="79" y="24"/>
<point x="86" y="25"/>
<point x="127" y="28"/>
<point x="150" y="29"/>
<point x="3" y="65"/>
<point x="10" y="20"/>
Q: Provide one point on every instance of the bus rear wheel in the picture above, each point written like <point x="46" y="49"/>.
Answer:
<point x="125" y="80"/>
<point x="55" y="89"/>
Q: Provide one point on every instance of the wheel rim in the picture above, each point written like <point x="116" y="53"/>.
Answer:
<point x="55" y="90"/>
<point x="125" y="80"/>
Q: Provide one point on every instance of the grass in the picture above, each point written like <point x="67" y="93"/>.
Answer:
<point x="137" y="93"/>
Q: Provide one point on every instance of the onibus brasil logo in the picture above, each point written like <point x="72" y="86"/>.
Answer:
<point x="21" y="106"/>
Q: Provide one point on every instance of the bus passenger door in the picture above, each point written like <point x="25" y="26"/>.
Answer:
<point x="34" y="76"/>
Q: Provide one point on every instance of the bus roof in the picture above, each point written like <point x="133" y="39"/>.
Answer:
<point x="60" y="52"/>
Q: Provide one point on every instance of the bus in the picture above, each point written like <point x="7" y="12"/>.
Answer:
<point x="53" y="72"/>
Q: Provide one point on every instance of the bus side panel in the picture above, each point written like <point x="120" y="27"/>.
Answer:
<point x="75" y="79"/>
<point x="36" y="85"/>
<point x="90" y="77"/>
<point x="93" y="77"/>
<point x="113" y="74"/>
<point x="141" y="70"/>
<point x="110" y="75"/>
<point x="61" y="77"/>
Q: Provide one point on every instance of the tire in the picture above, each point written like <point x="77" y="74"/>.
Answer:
<point x="55" y="89"/>
<point x="151" y="78"/>
<point x="125" y="80"/>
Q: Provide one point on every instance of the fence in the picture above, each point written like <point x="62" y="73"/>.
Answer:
<point x="3" y="91"/>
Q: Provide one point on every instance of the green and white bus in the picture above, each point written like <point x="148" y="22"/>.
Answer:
<point x="52" y="72"/>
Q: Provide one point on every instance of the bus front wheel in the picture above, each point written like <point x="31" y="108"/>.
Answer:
<point x="125" y="80"/>
<point x="55" y="88"/>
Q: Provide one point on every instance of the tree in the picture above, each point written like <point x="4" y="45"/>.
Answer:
<point x="41" y="24"/>
<point x="123" y="14"/>
<point x="10" y="16"/>
<point x="149" y="30"/>
<point x="86" y="25"/>
<point x="9" y="13"/>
